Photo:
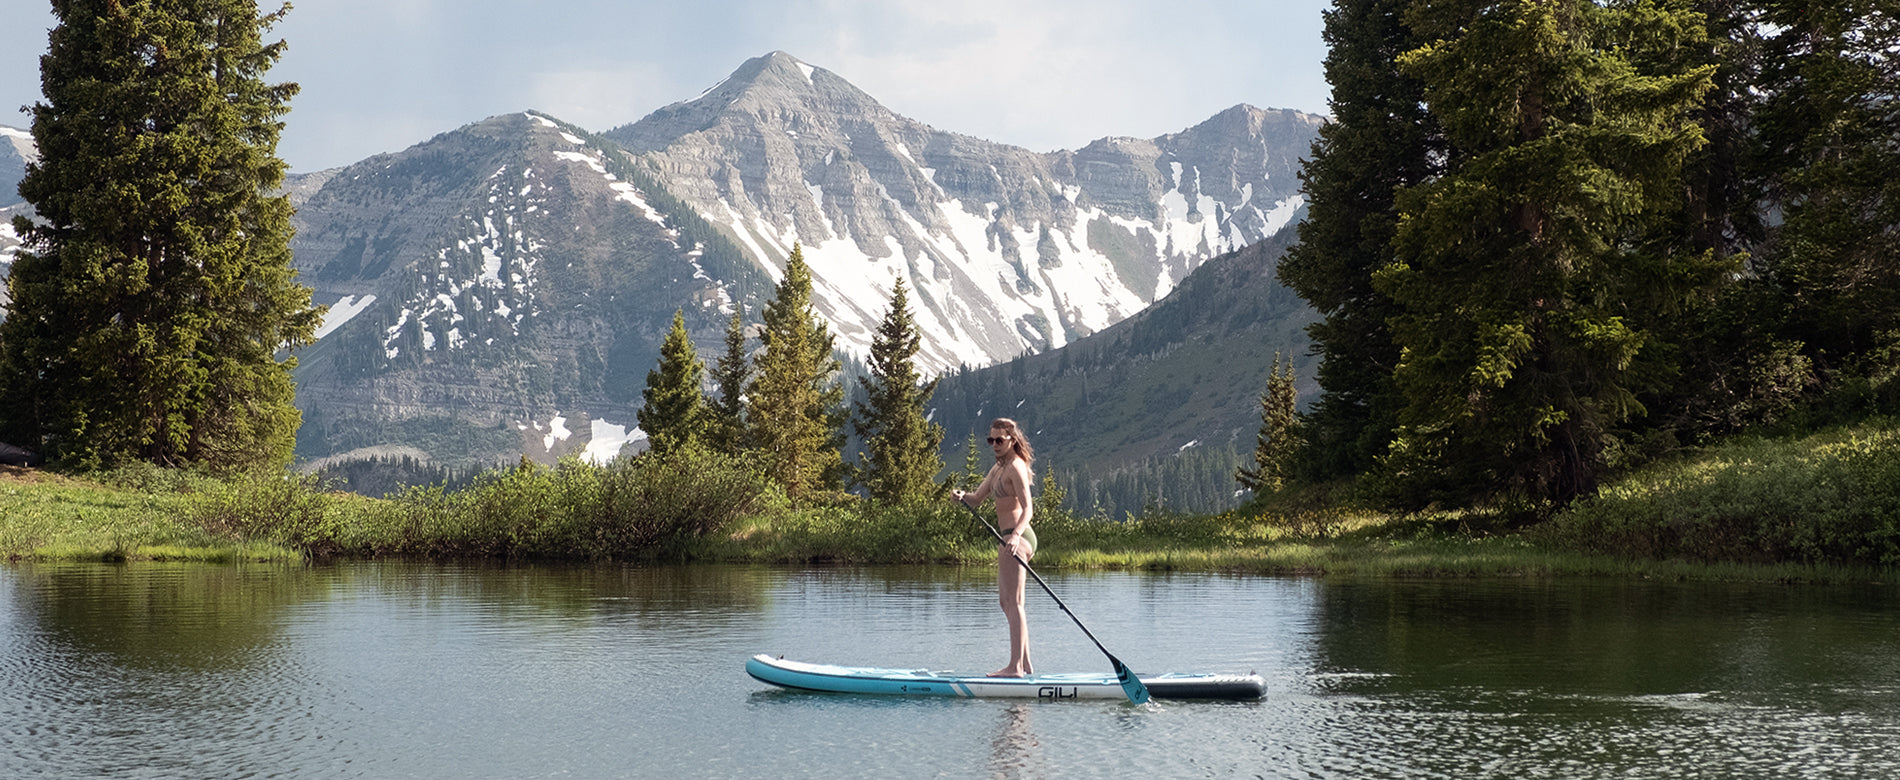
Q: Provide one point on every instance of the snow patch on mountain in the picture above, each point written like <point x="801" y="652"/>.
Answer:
<point x="9" y="242"/>
<point x="481" y="287"/>
<point x="606" y="440"/>
<point x="1049" y="289"/>
<point x="960" y="277"/>
<point x="343" y="311"/>
<point x="628" y="193"/>
<point x="557" y="431"/>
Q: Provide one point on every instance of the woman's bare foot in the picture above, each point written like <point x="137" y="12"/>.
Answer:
<point x="1007" y="672"/>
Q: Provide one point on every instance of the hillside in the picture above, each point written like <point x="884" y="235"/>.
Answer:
<point x="1186" y="373"/>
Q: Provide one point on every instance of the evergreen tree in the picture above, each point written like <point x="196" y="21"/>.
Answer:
<point x="1517" y="348"/>
<point x="794" y="400"/>
<point x="900" y="444"/>
<point x="728" y="411"/>
<point x="674" y="414"/>
<point x="149" y="305"/>
<point x="1702" y="314"/>
<point x="1381" y="140"/>
<point x="1278" y="439"/>
<point x="973" y="471"/>
<point x="1828" y="130"/>
<point x="1720" y="213"/>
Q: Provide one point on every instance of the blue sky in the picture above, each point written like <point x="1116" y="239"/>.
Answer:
<point x="381" y="75"/>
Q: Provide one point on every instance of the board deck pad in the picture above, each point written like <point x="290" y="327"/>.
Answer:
<point x="798" y="675"/>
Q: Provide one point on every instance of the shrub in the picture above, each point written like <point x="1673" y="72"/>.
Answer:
<point x="268" y="506"/>
<point x="1826" y="498"/>
<point x="645" y="507"/>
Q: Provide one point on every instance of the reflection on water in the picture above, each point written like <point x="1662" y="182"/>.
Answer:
<point x="380" y="670"/>
<point x="1015" y="752"/>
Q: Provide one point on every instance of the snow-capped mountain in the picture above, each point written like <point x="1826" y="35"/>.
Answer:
<point x="503" y="288"/>
<point x="1009" y="251"/>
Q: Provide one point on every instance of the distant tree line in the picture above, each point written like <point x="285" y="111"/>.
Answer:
<point x="1554" y="238"/>
<point x="1198" y="480"/>
<point x="385" y="475"/>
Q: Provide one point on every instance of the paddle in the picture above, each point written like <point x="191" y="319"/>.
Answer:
<point x="1131" y="685"/>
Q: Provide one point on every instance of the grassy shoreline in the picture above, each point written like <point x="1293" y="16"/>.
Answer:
<point x="1819" y="508"/>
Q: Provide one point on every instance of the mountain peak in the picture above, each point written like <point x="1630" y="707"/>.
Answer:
<point x="773" y="85"/>
<point x="783" y="61"/>
<point x="1244" y="118"/>
<point x="774" y="71"/>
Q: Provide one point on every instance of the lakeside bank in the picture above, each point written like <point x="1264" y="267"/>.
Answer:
<point x="1822" y="507"/>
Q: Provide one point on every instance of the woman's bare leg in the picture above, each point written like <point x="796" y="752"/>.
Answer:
<point x="1009" y="586"/>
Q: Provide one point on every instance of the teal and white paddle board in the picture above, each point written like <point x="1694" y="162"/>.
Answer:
<point x="798" y="675"/>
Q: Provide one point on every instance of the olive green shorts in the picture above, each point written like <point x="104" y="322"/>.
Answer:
<point x="1029" y="535"/>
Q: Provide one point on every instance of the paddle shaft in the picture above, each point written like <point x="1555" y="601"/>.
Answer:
<point x="1130" y="683"/>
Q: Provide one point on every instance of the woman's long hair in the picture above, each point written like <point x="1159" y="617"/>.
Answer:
<point x="1017" y="440"/>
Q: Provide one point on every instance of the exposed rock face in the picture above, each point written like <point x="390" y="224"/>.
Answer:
<point x="1010" y="251"/>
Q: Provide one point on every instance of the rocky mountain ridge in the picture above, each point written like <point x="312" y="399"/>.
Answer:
<point x="1010" y="251"/>
<point x="16" y="150"/>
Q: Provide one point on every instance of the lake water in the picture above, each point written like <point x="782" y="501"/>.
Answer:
<point x="381" y="670"/>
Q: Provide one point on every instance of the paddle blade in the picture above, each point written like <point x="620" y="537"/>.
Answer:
<point x="1133" y="686"/>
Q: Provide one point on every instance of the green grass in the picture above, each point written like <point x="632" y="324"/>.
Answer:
<point x="50" y="518"/>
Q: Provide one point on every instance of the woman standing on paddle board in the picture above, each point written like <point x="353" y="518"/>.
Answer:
<point x="1008" y="481"/>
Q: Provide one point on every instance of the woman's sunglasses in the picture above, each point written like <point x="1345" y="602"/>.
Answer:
<point x="995" y="440"/>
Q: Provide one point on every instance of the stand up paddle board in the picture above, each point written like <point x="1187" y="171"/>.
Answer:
<point x="802" y="676"/>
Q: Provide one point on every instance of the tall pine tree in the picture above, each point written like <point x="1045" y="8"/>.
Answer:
<point x="973" y="471"/>
<point x="1517" y="350"/>
<point x="1828" y="131"/>
<point x="1381" y="140"/>
<point x="150" y="303"/>
<point x="674" y="415"/>
<point x="1703" y="315"/>
<point x="794" y="400"/>
<point x="900" y="444"/>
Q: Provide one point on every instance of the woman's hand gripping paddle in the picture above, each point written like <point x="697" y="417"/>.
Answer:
<point x="1131" y="685"/>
